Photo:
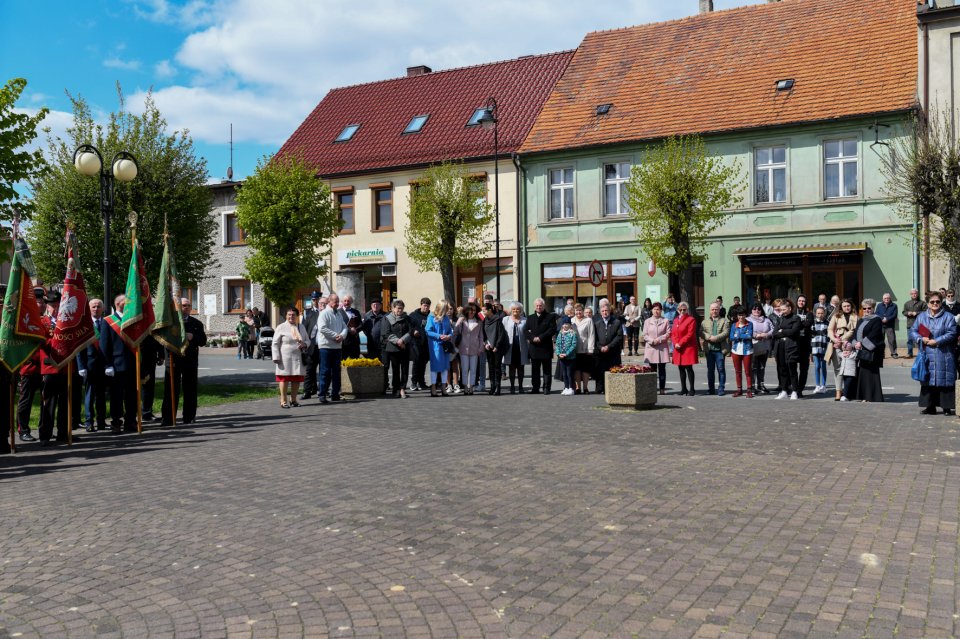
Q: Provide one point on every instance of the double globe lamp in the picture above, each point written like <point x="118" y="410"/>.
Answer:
<point x="88" y="161"/>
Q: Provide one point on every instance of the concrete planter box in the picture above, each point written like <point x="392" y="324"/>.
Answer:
<point x="362" y="381"/>
<point x="625" y="390"/>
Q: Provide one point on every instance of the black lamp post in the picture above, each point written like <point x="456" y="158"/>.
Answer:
<point x="489" y="121"/>
<point x="88" y="161"/>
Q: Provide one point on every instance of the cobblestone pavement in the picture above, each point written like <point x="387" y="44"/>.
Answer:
<point x="515" y="516"/>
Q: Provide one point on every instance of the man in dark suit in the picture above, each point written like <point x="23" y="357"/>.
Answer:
<point x="185" y="369"/>
<point x="609" y="343"/>
<point x="804" y="343"/>
<point x="309" y="322"/>
<point x="91" y="365"/>
<point x="353" y="320"/>
<point x="152" y="354"/>
<point x="371" y="328"/>
<point x="121" y="372"/>
<point x="539" y="330"/>
<point x="419" y="354"/>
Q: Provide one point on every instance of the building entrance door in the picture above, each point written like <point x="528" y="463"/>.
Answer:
<point x="388" y="291"/>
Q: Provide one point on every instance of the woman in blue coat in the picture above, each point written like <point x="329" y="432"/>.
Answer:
<point x="936" y="332"/>
<point x="439" y="333"/>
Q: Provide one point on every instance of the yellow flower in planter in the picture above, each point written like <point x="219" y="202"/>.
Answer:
<point x="360" y="362"/>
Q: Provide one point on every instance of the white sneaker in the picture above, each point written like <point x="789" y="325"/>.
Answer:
<point x="843" y="398"/>
<point x="782" y="395"/>
<point x="567" y="391"/>
<point x="793" y="395"/>
<point x="449" y="389"/>
<point x="457" y="389"/>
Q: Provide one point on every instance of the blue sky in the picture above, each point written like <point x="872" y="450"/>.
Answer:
<point x="264" y="65"/>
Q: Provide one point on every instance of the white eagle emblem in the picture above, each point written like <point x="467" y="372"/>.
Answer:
<point x="68" y="306"/>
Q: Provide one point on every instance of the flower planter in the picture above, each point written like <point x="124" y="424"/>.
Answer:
<point x="626" y="390"/>
<point x="362" y="381"/>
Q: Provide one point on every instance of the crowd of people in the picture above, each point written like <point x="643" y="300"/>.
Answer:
<point x="104" y="374"/>
<point x="483" y="347"/>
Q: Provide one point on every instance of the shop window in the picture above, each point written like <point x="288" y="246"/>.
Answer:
<point x="770" y="174"/>
<point x="383" y="209"/>
<point x="561" y="193"/>
<point x="237" y="295"/>
<point x="840" y="168"/>
<point x="234" y="235"/>
<point x="345" y="211"/>
<point x="615" y="178"/>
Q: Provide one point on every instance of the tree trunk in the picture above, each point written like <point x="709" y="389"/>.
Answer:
<point x="449" y="285"/>
<point x="686" y="289"/>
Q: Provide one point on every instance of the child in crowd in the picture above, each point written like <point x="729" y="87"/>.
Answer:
<point x="565" y="346"/>
<point x="848" y="370"/>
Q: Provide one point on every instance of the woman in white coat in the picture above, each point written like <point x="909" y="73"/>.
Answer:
<point x="517" y="355"/>
<point x="656" y="344"/>
<point x="289" y="343"/>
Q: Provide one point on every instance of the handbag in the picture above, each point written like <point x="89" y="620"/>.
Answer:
<point x="447" y="346"/>
<point x="921" y="369"/>
<point x="863" y="355"/>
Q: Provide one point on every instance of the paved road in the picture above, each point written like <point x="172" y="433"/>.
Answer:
<point x="517" y="516"/>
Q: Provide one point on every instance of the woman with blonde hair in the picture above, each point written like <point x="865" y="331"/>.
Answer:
<point x="586" y="343"/>
<point x="517" y="354"/>
<point x="439" y="344"/>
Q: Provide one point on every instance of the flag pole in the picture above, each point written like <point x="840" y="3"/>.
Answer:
<point x="70" y="403"/>
<point x="133" y="245"/>
<point x="13" y="417"/>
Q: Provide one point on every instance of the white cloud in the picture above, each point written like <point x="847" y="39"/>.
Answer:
<point x="265" y="65"/>
<point x="56" y="121"/>
<point x="164" y="70"/>
<point x="114" y="62"/>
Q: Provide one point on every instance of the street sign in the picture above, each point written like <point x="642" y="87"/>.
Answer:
<point x="596" y="273"/>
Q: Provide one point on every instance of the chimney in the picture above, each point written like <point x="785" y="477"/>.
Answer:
<point x="422" y="69"/>
<point x="706" y="6"/>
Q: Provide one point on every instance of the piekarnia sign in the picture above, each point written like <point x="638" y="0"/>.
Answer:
<point x="386" y="255"/>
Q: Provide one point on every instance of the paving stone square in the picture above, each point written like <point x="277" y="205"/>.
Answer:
<point x="511" y="516"/>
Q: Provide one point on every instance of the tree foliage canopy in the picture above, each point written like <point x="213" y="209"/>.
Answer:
<point x="289" y="219"/>
<point x="16" y="131"/>
<point x="922" y="171"/>
<point x="449" y="221"/>
<point x="169" y="186"/>
<point x="678" y="196"/>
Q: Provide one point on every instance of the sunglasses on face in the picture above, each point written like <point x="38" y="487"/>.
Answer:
<point x="934" y="302"/>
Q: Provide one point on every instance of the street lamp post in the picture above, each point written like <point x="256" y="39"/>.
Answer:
<point x="88" y="161"/>
<point x="489" y="121"/>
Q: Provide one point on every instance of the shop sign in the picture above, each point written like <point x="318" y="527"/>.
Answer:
<point x="626" y="268"/>
<point x="557" y="271"/>
<point x="386" y="255"/>
<point x="770" y="262"/>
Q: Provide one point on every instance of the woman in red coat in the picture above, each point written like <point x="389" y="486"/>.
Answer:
<point x="684" y="337"/>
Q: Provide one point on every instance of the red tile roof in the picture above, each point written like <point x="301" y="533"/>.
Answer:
<point x="383" y="110"/>
<point x="716" y="72"/>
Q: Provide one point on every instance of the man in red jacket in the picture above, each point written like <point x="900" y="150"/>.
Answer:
<point x="53" y="393"/>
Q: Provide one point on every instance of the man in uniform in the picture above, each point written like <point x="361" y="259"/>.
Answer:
<point x="539" y="331"/>
<point x="53" y="392"/>
<point x="185" y="369"/>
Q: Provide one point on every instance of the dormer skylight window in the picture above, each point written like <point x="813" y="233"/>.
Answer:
<point x="785" y="85"/>
<point x="603" y="109"/>
<point x="475" y="118"/>
<point x="416" y="124"/>
<point x="347" y="133"/>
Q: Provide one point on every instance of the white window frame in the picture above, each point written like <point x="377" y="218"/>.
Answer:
<point x="225" y="293"/>
<point x="769" y="169"/>
<point x="843" y="161"/>
<point x="619" y="183"/>
<point x="562" y="187"/>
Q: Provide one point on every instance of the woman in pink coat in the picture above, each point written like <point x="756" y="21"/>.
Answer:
<point x="656" y="344"/>
<point x="684" y="336"/>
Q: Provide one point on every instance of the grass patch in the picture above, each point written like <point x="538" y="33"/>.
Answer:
<point x="219" y="394"/>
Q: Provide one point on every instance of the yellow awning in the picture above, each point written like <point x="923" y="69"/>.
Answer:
<point x="842" y="247"/>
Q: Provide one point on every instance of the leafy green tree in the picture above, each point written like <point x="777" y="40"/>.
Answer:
<point x="449" y="219"/>
<point x="289" y="219"/>
<point x="16" y="131"/>
<point x="169" y="187"/>
<point x="922" y="171"/>
<point x="678" y="196"/>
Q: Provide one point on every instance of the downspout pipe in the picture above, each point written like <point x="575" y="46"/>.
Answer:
<point x="521" y="267"/>
<point x="926" y="116"/>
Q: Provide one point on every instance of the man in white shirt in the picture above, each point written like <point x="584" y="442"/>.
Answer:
<point x="331" y="331"/>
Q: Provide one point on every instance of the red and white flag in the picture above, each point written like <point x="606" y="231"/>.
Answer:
<point x="74" y="328"/>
